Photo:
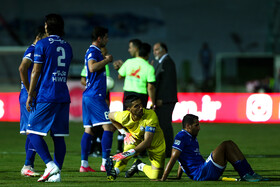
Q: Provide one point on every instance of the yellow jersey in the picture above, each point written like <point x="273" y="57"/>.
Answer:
<point x="148" y="122"/>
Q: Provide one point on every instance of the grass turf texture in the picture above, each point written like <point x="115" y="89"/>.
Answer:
<point x="259" y="143"/>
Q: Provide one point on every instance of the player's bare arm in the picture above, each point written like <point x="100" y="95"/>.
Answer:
<point x="114" y="122"/>
<point x="94" y="66"/>
<point x="23" y="72"/>
<point x="179" y="172"/>
<point x="146" y="143"/>
<point x="128" y="139"/>
<point x="36" y="71"/>
<point x="152" y="94"/>
<point x="174" y="156"/>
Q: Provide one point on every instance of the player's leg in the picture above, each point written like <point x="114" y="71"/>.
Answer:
<point x="27" y="169"/>
<point x="87" y="104"/>
<point x="40" y="122"/>
<point x="229" y="151"/>
<point x="85" y="149"/>
<point x="106" y="142"/>
<point x="43" y="151"/>
<point x="121" y="165"/>
<point x="59" y="150"/>
<point x="153" y="171"/>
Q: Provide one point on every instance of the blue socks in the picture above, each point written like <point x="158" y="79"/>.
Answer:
<point x="41" y="147"/>
<point x="106" y="143"/>
<point x="30" y="153"/>
<point x="85" y="146"/>
<point x="59" y="151"/>
<point x="243" y="167"/>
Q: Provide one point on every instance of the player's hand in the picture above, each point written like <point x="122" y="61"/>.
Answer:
<point x="159" y="102"/>
<point x="153" y="106"/>
<point x="124" y="155"/>
<point x="29" y="103"/>
<point x="117" y="64"/>
<point x="109" y="58"/>
<point x="128" y="139"/>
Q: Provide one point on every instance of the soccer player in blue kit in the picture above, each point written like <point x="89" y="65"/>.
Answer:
<point x="50" y="112"/>
<point x="25" y="69"/>
<point x="95" y="109"/>
<point x="186" y="151"/>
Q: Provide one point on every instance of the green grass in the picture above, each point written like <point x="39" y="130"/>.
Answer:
<point x="260" y="144"/>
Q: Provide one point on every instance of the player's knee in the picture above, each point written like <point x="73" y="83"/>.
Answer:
<point x="228" y="142"/>
<point x="109" y="127"/>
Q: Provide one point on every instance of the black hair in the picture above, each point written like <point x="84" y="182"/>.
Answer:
<point x="164" y="46"/>
<point x="129" y="99"/>
<point x="98" y="32"/>
<point x="144" y="50"/>
<point x="188" y="119"/>
<point x="136" y="42"/>
<point x="55" y="24"/>
<point x="40" y="31"/>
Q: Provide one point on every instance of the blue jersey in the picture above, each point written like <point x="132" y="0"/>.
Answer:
<point x="29" y="54"/>
<point x="96" y="81"/>
<point x="190" y="158"/>
<point x="55" y="54"/>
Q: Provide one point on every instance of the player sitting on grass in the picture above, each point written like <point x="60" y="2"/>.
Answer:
<point x="186" y="151"/>
<point x="143" y="132"/>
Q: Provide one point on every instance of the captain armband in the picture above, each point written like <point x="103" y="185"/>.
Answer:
<point x="150" y="129"/>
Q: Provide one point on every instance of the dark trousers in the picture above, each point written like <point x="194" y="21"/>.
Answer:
<point x="164" y="114"/>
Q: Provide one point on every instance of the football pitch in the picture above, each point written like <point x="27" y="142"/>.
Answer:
<point x="259" y="142"/>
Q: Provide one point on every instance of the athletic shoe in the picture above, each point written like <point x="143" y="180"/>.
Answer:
<point x="111" y="172"/>
<point x="29" y="172"/>
<point x="86" y="169"/>
<point x="251" y="178"/>
<point x="102" y="168"/>
<point x="48" y="173"/>
<point x="134" y="169"/>
<point x="257" y="176"/>
<point x="54" y="178"/>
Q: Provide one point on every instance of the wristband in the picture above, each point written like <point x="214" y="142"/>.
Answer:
<point x="122" y="131"/>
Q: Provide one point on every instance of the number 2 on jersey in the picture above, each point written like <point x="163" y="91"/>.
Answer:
<point x="61" y="57"/>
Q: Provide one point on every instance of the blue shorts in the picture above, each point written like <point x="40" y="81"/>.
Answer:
<point x="47" y="117"/>
<point x="209" y="171"/>
<point x="95" y="112"/>
<point x="24" y="114"/>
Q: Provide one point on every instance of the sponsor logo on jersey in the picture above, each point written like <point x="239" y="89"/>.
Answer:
<point x="134" y="73"/>
<point x="177" y="142"/>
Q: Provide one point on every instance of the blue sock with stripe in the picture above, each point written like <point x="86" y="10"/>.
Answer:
<point x="30" y="153"/>
<point x="243" y="167"/>
<point x="59" y="151"/>
<point x="41" y="147"/>
<point x="85" y="146"/>
<point x="106" y="143"/>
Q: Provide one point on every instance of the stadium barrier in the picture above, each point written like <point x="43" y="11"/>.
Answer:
<point x="210" y="107"/>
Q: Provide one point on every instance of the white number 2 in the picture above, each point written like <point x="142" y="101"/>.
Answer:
<point x="61" y="57"/>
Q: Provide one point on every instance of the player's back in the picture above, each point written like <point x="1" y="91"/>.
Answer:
<point x="55" y="54"/>
<point x="137" y="73"/>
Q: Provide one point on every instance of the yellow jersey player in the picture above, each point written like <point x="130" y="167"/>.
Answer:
<point x="142" y="131"/>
